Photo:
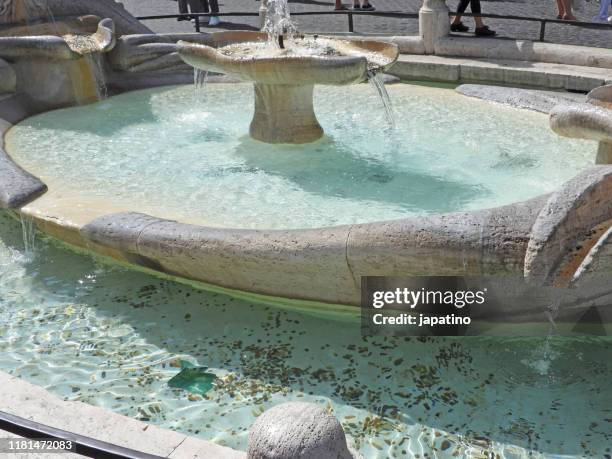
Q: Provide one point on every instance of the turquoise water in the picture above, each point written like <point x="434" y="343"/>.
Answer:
<point x="112" y="337"/>
<point x="171" y="153"/>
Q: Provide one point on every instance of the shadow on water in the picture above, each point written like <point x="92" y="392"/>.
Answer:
<point x="104" y="118"/>
<point x="329" y="168"/>
<point x="482" y="388"/>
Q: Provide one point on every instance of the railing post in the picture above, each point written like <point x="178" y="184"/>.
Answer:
<point x="197" y="24"/>
<point x="542" y="29"/>
<point x="350" y="22"/>
<point x="434" y="23"/>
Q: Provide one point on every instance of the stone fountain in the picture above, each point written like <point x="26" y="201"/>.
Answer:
<point x="592" y="121"/>
<point x="56" y="59"/>
<point x="284" y="67"/>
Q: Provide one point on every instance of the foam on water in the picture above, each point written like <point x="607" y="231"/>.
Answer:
<point x="163" y="153"/>
<point x="111" y="337"/>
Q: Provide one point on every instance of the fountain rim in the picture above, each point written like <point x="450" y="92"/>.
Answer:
<point x="188" y="50"/>
<point x="318" y="264"/>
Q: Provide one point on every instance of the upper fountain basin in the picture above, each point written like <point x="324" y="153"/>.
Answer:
<point x="68" y="38"/>
<point x="306" y="59"/>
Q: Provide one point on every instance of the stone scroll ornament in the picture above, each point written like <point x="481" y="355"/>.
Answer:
<point x="12" y="11"/>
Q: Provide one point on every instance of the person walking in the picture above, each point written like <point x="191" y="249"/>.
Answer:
<point x="364" y="6"/>
<point x="604" y="11"/>
<point x="481" y="30"/>
<point x="212" y="6"/>
<point x="564" y="10"/>
<point x="200" y="6"/>
<point x="339" y="6"/>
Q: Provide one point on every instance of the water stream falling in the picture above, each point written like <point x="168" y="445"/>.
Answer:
<point x="200" y="78"/>
<point x="544" y="355"/>
<point x="28" y="229"/>
<point x="95" y="64"/>
<point x="377" y="82"/>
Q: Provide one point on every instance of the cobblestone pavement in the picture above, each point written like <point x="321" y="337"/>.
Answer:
<point x="384" y="25"/>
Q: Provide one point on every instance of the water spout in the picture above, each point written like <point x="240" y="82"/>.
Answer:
<point x="28" y="230"/>
<point x="200" y="78"/>
<point x="278" y="22"/>
<point x="376" y="80"/>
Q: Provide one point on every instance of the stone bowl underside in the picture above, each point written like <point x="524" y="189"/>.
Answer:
<point x="349" y="64"/>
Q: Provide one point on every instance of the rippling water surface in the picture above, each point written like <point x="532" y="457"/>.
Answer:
<point x="112" y="337"/>
<point x="172" y="154"/>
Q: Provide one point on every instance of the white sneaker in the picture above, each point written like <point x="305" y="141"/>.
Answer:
<point x="214" y="21"/>
<point x="610" y="19"/>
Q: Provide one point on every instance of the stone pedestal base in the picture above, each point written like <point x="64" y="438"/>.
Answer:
<point x="284" y="114"/>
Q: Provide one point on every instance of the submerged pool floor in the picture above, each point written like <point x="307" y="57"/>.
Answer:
<point x="112" y="337"/>
<point x="168" y="153"/>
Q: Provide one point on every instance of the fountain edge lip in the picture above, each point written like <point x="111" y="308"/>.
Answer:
<point x="306" y="69"/>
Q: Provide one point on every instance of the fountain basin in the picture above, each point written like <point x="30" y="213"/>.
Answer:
<point x="130" y="330"/>
<point x="284" y="78"/>
<point x="267" y="250"/>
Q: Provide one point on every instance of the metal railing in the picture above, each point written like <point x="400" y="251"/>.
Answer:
<point x="543" y="22"/>
<point x="198" y="16"/>
<point x="392" y="14"/>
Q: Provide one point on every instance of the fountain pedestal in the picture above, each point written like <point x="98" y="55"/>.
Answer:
<point x="284" y="78"/>
<point x="284" y="114"/>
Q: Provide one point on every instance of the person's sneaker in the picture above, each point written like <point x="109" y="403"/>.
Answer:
<point x="214" y="21"/>
<point x="484" y="31"/>
<point x="459" y="27"/>
<point x="368" y="7"/>
<point x="357" y="7"/>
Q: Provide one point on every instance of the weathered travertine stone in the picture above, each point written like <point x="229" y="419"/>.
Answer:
<point x="582" y="122"/>
<point x="523" y="50"/>
<point x="323" y="264"/>
<point x="21" y="398"/>
<point x="300" y="264"/>
<point x="297" y="431"/>
<point x="499" y="71"/>
<point x="601" y="96"/>
<point x="570" y="223"/>
<point x="598" y="263"/>
<point x="17" y="186"/>
<point x="55" y="71"/>
<point x="592" y="120"/>
<point x="491" y="241"/>
<point x="531" y="99"/>
<point x="152" y="52"/>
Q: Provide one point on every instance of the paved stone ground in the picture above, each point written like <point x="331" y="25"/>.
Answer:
<point x="381" y="25"/>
